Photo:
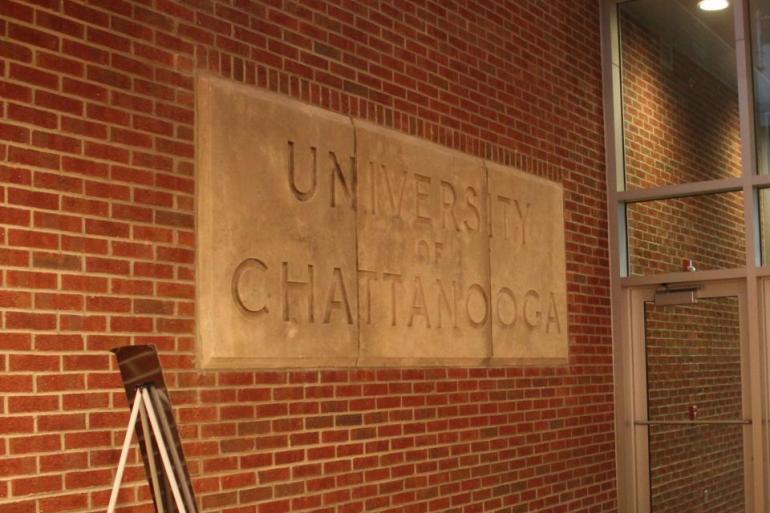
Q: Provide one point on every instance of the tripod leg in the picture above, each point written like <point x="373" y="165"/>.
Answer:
<point x="163" y="451"/>
<point x="151" y="459"/>
<point x="179" y="469"/>
<point x="124" y="453"/>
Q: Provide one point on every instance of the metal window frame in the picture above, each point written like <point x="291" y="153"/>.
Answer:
<point x="624" y="288"/>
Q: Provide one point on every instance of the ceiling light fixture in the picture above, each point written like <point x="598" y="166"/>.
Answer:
<point x="713" y="5"/>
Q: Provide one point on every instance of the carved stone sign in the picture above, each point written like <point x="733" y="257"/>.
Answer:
<point x="330" y="242"/>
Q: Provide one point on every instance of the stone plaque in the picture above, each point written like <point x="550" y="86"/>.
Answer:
<point x="526" y="247"/>
<point x="422" y="251"/>
<point x="328" y="242"/>
<point x="276" y="230"/>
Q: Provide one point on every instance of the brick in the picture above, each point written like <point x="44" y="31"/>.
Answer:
<point x="36" y="485"/>
<point x="106" y="152"/>
<point x="87" y="440"/>
<point x="25" y="114"/>
<point x="32" y="239"/>
<point x="90" y="400"/>
<point x="106" y="114"/>
<point x="108" y="304"/>
<point x="19" y="52"/>
<point x="84" y="245"/>
<point x="86" y="362"/>
<point x="83" y="89"/>
<point x="58" y="342"/>
<point x="59" y="383"/>
<point x="131" y="324"/>
<point x="19" y="507"/>
<point x="151" y="197"/>
<point x="15" y="341"/>
<point x="33" y="199"/>
<point x="17" y="216"/>
<point x="85" y="52"/>
<point x="175" y="183"/>
<point x="84" y="166"/>
<point x="132" y="66"/>
<point x="130" y="138"/>
<point x="85" y="13"/>
<point x="175" y="290"/>
<point x="107" y="265"/>
<point x="132" y="213"/>
<point x="16" y="383"/>
<point x="59" y="302"/>
<point x="15" y="299"/>
<point x="108" y="190"/>
<point x="152" y="125"/>
<point x="132" y="250"/>
<point x="177" y="219"/>
<point x="12" y="467"/>
<point x="152" y="234"/>
<point x="15" y="92"/>
<point x="95" y="323"/>
<point x="108" y="77"/>
<point x="85" y="206"/>
<point x="39" y="363"/>
<point x="86" y="479"/>
<point x="44" y="180"/>
<point x="34" y="403"/>
<point x="59" y="24"/>
<point x="35" y="280"/>
<point x="91" y="284"/>
<point x="51" y="221"/>
<point x="34" y="76"/>
<point x="14" y="133"/>
<point x="63" y="503"/>
<point x="153" y="306"/>
<point x="107" y="228"/>
<point x="33" y="158"/>
<point x="52" y="101"/>
<point x="88" y="129"/>
<point x="133" y="287"/>
<point x="61" y="422"/>
<point x="33" y="36"/>
<point x="14" y="175"/>
<point x="14" y="257"/>
<point x="60" y="64"/>
<point x="106" y="420"/>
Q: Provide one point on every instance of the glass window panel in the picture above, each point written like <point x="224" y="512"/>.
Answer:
<point x="760" y="17"/>
<point x="680" y="95"/>
<point x="693" y="357"/>
<point x="696" y="469"/>
<point x="706" y="229"/>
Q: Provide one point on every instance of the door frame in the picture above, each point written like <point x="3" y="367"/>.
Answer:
<point x="632" y="396"/>
<point x="621" y="282"/>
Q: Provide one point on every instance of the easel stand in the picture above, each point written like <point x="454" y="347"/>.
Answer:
<point x="143" y="409"/>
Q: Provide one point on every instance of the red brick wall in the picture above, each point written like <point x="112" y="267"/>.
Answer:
<point x="97" y="248"/>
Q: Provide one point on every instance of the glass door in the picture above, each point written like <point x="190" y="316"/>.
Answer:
<point x="692" y="410"/>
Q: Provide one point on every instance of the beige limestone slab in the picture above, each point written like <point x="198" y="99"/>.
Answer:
<point x="276" y="231"/>
<point x="321" y="244"/>
<point x="528" y="270"/>
<point x="423" y="252"/>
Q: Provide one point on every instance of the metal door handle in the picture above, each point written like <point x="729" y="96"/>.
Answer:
<point x="690" y="422"/>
